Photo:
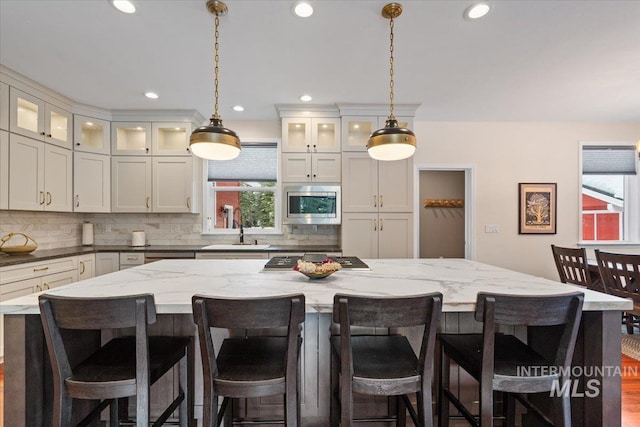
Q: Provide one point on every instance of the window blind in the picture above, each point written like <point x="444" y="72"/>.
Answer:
<point x="609" y="160"/>
<point x="256" y="162"/>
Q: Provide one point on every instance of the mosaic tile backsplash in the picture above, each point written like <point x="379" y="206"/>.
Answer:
<point x="60" y="229"/>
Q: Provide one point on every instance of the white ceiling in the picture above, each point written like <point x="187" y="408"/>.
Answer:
<point x="527" y="60"/>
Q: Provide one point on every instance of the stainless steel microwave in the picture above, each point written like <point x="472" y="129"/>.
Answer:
<point x="312" y="204"/>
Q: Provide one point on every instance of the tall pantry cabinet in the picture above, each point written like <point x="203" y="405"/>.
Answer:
<point x="377" y="196"/>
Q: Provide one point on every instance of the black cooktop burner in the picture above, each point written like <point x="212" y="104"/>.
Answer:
<point x="287" y="262"/>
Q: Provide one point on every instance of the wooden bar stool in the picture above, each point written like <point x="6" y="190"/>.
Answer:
<point x="125" y="366"/>
<point x="573" y="268"/>
<point x="383" y="365"/>
<point x="250" y="366"/>
<point x="501" y="362"/>
<point x="621" y="277"/>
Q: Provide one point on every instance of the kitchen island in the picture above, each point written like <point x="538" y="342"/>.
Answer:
<point x="173" y="283"/>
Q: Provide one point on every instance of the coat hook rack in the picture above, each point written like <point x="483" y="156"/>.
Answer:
<point x="444" y="203"/>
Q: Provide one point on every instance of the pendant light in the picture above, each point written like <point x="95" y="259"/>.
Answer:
<point x="391" y="142"/>
<point x="215" y="142"/>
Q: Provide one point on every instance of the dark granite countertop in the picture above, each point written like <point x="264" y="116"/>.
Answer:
<point x="46" y="254"/>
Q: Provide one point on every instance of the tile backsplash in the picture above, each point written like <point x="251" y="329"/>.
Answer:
<point x="60" y="229"/>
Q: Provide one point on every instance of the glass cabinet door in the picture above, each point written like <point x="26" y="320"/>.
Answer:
<point x="26" y="115"/>
<point x="356" y="131"/>
<point x="296" y="135"/>
<point x="91" y="135"/>
<point x="325" y="135"/>
<point x="171" y="139"/>
<point x="57" y="126"/>
<point x="130" y="138"/>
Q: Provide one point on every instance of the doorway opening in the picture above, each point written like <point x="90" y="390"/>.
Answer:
<point x="444" y="202"/>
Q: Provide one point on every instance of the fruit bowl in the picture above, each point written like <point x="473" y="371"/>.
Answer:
<point x="315" y="271"/>
<point x="28" y="246"/>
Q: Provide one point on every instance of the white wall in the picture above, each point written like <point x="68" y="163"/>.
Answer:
<point x="506" y="153"/>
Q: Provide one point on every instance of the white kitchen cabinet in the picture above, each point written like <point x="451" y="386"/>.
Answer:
<point x="152" y="184"/>
<point x="131" y="259"/>
<point x="370" y="185"/>
<point x="25" y="279"/>
<point x="32" y="117"/>
<point x="310" y="135"/>
<point x="130" y="138"/>
<point x="91" y="182"/>
<point x="378" y="235"/>
<point x="130" y="184"/>
<point x="4" y="106"/>
<point x="173" y="184"/>
<point x="170" y="138"/>
<point x="357" y="129"/>
<point x="4" y="169"/>
<point x="311" y="167"/>
<point x="107" y="262"/>
<point x="91" y="135"/>
<point x="86" y="266"/>
<point x="40" y="176"/>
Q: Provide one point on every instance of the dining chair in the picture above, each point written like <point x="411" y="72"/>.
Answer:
<point x="250" y="366"/>
<point x="383" y="365"/>
<point x="123" y="367"/>
<point x="573" y="267"/>
<point x="501" y="362"/>
<point x="621" y="277"/>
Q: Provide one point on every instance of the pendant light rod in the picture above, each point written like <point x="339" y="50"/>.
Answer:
<point x="218" y="9"/>
<point x="390" y="12"/>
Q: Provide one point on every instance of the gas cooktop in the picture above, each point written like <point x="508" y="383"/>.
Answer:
<point x="288" y="262"/>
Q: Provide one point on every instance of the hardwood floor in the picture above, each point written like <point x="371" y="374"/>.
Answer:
<point x="630" y="393"/>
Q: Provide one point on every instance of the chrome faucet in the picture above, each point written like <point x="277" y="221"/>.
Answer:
<point x="241" y="227"/>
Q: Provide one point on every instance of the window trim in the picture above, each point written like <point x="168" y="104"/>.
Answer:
<point x="632" y="201"/>
<point x="277" y="190"/>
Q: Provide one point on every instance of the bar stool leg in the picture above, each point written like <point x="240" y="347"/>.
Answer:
<point x="334" y="403"/>
<point x="443" y="380"/>
<point x="113" y="414"/>
<point x="346" y="401"/>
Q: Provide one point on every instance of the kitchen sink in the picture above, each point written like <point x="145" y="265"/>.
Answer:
<point x="236" y="247"/>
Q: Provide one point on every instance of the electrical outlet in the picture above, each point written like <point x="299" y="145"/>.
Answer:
<point x="491" y="228"/>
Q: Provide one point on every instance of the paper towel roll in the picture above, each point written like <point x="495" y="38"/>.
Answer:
<point x="87" y="233"/>
<point x="138" y="238"/>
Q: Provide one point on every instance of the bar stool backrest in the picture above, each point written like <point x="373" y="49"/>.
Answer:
<point x="620" y="274"/>
<point x="572" y="265"/>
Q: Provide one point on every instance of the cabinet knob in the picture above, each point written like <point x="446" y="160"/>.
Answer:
<point x="314" y="175"/>
<point x="308" y="175"/>
<point x="78" y="144"/>
<point x="48" y="135"/>
<point x="188" y="149"/>
<point x="146" y="149"/>
<point x="42" y="133"/>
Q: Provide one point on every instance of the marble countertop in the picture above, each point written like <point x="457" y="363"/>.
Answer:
<point x="174" y="282"/>
<point x="43" y="255"/>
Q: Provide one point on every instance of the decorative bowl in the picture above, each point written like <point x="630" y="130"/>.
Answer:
<point x="317" y="270"/>
<point x="18" y="249"/>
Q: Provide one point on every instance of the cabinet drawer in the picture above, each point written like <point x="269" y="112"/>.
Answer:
<point x="37" y="269"/>
<point x="19" y="289"/>
<point x="128" y="258"/>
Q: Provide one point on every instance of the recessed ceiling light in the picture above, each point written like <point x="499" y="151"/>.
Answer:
<point x="151" y="95"/>
<point x="477" y="10"/>
<point x="303" y="9"/>
<point x="238" y="108"/>
<point x="123" y="6"/>
<point x="305" y="98"/>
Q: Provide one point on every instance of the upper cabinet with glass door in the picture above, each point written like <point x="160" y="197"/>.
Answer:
<point x="131" y="138"/>
<point x="4" y="106"/>
<point x="32" y="117"/>
<point x="170" y="139"/>
<point x="91" y="135"/>
<point x="357" y="129"/>
<point x="311" y="135"/>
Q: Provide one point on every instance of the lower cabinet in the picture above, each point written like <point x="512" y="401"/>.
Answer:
<point x="107" y="262"/>
<point x="232" y="255"/>
<point x="377" y="235"/>
<point x="25" y="279"/>
<point x="86" y="266"/>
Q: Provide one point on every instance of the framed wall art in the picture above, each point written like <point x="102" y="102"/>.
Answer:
<point x="537" y="208"/>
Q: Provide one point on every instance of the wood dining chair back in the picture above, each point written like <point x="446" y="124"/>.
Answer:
<point x="250" y="366"/>
<point x="572" y="266"/>
<point x="501" y="362"/>
<point x="621" y="277"/>
<point x="123" y="367"/>
<point x="383" y="365"/>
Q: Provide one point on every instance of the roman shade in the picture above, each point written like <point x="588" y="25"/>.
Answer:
<point x="609" y="160"/>
<point x="256" y="162"/>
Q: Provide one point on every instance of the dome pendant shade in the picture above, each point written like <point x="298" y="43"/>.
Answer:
<point x="391" y="142"/>
<point x="214" y="142"/>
